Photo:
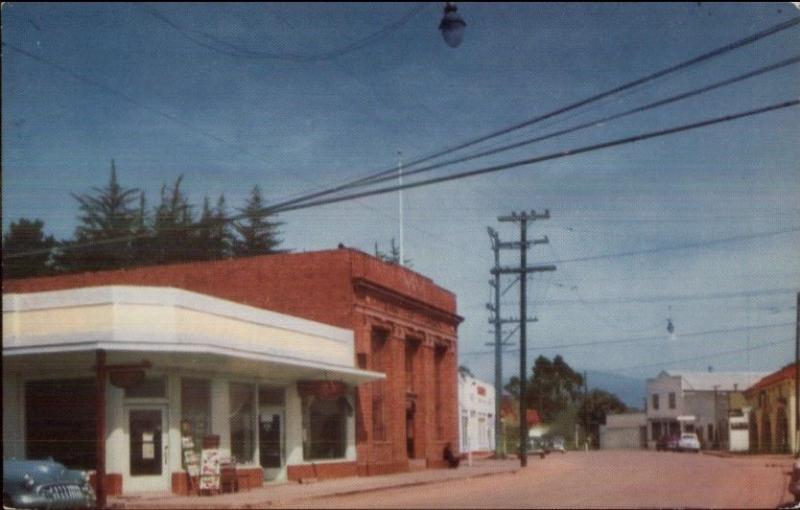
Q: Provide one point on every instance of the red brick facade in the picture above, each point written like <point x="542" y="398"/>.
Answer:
<point x="414" y="320"/>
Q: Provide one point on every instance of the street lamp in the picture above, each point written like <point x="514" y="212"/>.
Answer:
<point x="452" y="26"/>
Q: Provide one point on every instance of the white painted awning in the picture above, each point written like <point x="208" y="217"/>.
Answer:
<point x="172" y="328"/>
<point x="686" y="418"/>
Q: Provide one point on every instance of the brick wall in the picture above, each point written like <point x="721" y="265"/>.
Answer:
<point x="344" y="288"/>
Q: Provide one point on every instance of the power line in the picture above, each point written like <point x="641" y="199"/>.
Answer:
<point x="116" y="93"/>
<point x="693" y="358"/>
<point x="598" y="122"/>
<point x="699" y="244"/>
<point x="629" y="85"/>
<point x="541" y="159"/>
<point x="233" y="50"/>
<point x="675" y="297"/>
<point x="152" y="110"/>
<point x="645" y="338"/>
<point x="496" y="168"/>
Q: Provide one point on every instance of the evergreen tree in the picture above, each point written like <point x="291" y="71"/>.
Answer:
<point x="553" y="387"/>
<point x="26" y="236"/>
<point x="172" y="230"/>
<point x="107" y="215"/>
<point x="213" y="238"/>
<point x="594" y="409"/>
<point x="257" y="235"/>
<point x="393" y="257"/>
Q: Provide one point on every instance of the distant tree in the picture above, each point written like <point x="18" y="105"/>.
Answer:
<point x="594" y="409"/>
<point x="257" y="234"/>
<point x="463" y="369"/>
<point x="172" y="228"/>
<point x="26" y="236"/>
<point x="553" y="387"/>
<point x="393" y="257"/>
<point x="512" y="387"/>
<point x="105" y="216"/>
<point x="213" y="239"/>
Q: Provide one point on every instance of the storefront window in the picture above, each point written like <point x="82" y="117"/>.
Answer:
<point x="242" y="421"/>
<point x="324" y="428"/>
<point x="60" y="417"/>
<point x="195" y="411"/>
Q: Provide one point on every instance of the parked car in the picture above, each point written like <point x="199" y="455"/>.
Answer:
<point x="668" y="443"/>
<point x="689" y="443"/>
<point x="557" y="444"/>
<point x="45" y="484"/>
<point x="537" y="446"/>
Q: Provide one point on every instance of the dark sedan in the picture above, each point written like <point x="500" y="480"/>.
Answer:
<point x="668" y="443"/>
<point x="45" y="484"/>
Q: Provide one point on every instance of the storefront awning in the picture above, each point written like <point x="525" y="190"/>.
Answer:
<point x="176" y="329"/>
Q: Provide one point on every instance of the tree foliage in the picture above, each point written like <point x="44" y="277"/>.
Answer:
<point x="257" y="234"/>
<point x="107" y="215"/>
<point x="393" y="257"/>
<point x="117" y="230"/>
<point x="594" y="409"/>
<point x="172" y="229"/>
<point x="27" y="236"/>
<point x="554" y="386"/>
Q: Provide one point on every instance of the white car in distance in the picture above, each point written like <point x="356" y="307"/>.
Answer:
<point x="689" y="442"/>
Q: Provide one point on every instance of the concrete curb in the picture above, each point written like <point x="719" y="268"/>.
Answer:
<point x="351" y="492"/>
<point x="199" y="505"/>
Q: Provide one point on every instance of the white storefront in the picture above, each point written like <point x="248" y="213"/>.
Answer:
<point x="217" y="368"/>
<point x="476" y="401"/>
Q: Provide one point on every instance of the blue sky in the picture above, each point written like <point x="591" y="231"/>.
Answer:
<point x="291" y="125"/>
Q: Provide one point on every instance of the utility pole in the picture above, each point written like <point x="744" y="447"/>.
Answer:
<point x="585" y="410"/>
<point x="715" y="439"/>
<point x="499" y="433"/>
<point x="400" y="202"/>
<point x="523" y="270"/>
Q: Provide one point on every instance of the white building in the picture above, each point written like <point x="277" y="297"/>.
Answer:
<point x="626" y="430"/>
<point x="683" y="401"/>
<point x="277" y="391"/>
<point x="476" y="401"/>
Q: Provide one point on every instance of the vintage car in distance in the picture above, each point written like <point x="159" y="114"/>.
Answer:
<point x="45" y="484"/>
<point x="558" y="444"/>
<point x="689" y="443"/>
<point x="668" y="443"/>
<point x="538" y="446"/>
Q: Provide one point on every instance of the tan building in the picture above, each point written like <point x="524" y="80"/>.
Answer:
<point x="772" y="419"/>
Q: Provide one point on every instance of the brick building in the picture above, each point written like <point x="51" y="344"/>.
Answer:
<point x="403" y="325"/>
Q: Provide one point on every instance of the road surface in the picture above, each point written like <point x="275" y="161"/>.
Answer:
<point x="598" y="479"/>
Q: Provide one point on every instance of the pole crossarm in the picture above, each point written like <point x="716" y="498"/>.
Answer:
<point x="525" y="216"/>
<point x="512" y="320"/>
<point x="521" y="270"/>
<point x="516" y="245"/>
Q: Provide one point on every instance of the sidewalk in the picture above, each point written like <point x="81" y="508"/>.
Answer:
<point x="284" y="493"/>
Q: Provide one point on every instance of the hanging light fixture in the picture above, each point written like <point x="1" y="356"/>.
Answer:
<point x="452" y="26"/>
<point x="670" y="326"/>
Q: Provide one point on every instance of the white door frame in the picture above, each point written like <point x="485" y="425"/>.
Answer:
<point x="145" y="483"/>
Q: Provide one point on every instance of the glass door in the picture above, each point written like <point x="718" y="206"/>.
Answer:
<point x="271" y="437"/>
<point x="147" y="434"/>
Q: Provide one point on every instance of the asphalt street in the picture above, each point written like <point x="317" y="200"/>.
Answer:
<point x="598" y="479"/>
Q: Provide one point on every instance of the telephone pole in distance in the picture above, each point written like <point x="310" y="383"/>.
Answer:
<point x="523" y="270"/>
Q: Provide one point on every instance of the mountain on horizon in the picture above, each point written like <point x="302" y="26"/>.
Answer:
<point x="631" y="390"/>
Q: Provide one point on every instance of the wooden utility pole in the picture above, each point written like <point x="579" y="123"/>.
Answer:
<point x="522" y="271"/>
<point x="499" y="433"/>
